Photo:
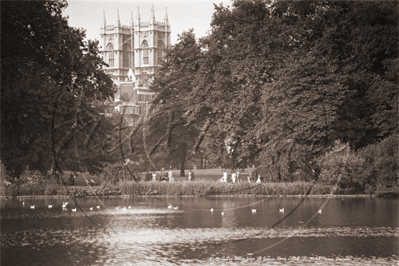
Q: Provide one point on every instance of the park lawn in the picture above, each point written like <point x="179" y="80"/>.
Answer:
<point x="204" y="174"/>
<point x="200" y="174"/>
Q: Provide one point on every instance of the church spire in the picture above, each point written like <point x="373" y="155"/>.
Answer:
<point x="131" y="20"/>
<point x="166" y="20"/>
<point x="138" y="16"/>
<point x="152" y="20"/>
<point x="118" y="21"/>
<point x="104" y="21"/>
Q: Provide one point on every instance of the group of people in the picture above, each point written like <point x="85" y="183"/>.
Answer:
<point x="235" y="177"/>
<point x="152" y="176"/>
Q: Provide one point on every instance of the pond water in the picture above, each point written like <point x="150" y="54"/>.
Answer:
<point x="347" y="231"/>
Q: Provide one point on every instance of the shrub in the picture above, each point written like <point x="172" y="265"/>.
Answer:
<point x="118" y="172"/>
<point x="342" y="165"/>
<point x="382" y="161"/>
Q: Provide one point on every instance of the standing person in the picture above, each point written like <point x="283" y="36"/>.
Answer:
<point x="238" y="177"/>
<point x="233" y="177"/>
<point x="57" y="177"/>
<point x="72" y="179"/>
<point x="224" y="177"/>
<point x="189" y="176"/>
<point x="192" y="175"/>
<point x="259" y="179"/>
<point x="154" y="177"/>
<point x="170" y="176"/>
<point x="148" y="176"/>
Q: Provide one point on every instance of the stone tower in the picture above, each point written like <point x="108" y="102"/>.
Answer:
<point x="134" y="54"/>
<point x="139" y="46"/>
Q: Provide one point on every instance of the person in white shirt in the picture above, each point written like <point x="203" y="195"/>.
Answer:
<point x="233" y="177"/>
<point x="224" y="177"/>
<point x="170" y="176"/>
<point x="154" y="177"/>
<point x="258" y="181"/>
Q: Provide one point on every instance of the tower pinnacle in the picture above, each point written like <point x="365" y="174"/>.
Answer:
<point x="152" y="20"/>
<point x="166" y="20"/>
<point x="118" y="21"/>
<point x="104" y="21"/>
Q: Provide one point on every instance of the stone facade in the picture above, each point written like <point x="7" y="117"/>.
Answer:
<point x="134" y="54"/>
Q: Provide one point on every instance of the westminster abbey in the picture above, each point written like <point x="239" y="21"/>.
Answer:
<point x="133" y="53"/>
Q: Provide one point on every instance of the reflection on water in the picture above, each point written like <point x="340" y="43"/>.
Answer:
<point x="151" y="233"/>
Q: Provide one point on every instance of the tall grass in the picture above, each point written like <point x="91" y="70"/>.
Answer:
<point x="217" y="188"/>
<point x="44" y="188"/>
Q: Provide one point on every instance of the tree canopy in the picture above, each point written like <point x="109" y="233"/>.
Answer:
<point x="53" y="89"/>
<point x="276" y="83"/>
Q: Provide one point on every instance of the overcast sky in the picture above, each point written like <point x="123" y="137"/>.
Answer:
<point x="183" y="14"/>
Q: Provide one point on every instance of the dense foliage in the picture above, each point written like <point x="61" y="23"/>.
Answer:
<point x="277" y="83"/>
<point x="52" y="92"/>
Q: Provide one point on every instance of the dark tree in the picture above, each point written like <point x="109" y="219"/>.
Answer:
<point x="53" y="88"/>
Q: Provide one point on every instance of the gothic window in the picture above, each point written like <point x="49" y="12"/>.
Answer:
<point x="161" y="48"/>
<point x="110" y="49"/>
<point x="126" y="55"/>
<point x="144" y="46"/>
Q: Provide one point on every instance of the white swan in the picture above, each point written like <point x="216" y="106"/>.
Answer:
<point x="320" y="211"/>
<point x="64" y="204"/>
<point x="32" y="207"/>
<point x="281" y="210"/>
<point x="176" y="208"/>
<point x="91" y="208"/>
<point x="50" y="206"/>
<point x="74" y="210"/>
<point x="253" y="210"/>
<point x="211" y="209"/>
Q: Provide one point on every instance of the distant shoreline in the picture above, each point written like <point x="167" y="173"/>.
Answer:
<point x="193" y="196"/>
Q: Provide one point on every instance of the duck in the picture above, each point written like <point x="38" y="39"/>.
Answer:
<point x="64" y="204"/>
<point x="98" y="207"/>
<point x="170" y="207"/>
<point x="320" y="211"/>
<point x="253" y="210"/>
<point x="129" y="207"/>
<point x="117" y="208"/>
<point x="91" y="208"/>
<point x="74" y="210"/>
<point x="32" y="207"/>
<point x="176" y="208"/>
<point x="281" y="210"/>
<point x="50" y="206"/>
<point x="124" y="208"/>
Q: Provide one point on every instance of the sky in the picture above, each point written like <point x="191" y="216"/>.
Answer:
<point x="182" y="14"/>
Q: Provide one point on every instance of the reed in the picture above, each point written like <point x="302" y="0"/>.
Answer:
<point x="204" y="187"/>
<point x="185" y="188"/>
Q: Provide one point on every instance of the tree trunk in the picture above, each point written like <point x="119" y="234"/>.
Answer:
<point x="183" y="155"/>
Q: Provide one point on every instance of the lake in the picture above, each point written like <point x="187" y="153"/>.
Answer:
<point x="346" y="231"/>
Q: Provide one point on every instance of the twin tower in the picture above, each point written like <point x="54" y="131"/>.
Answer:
<point x="134" y="52"/>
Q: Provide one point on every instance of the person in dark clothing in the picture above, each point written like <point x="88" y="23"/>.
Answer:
<point x="192" y="175"/>
<point x="72" y="179"/>
<point x="148" y="176"/>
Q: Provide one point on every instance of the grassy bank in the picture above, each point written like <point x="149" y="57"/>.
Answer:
<point x="185" y="188"/>
<point x="204" y="187"/>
